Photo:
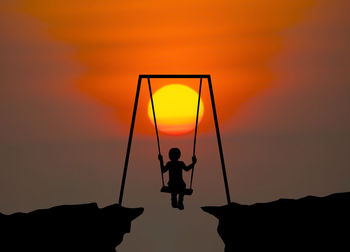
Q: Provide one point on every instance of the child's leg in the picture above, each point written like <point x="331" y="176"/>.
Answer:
<point x="181" y="201"/>
<point x="174" y="200"/>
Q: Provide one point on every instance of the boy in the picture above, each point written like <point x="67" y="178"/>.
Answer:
<point x="176" y="182"/>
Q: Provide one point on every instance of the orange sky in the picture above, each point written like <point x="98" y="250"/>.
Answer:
<point x="68" y="73"/>
<point x="115" y="41"/>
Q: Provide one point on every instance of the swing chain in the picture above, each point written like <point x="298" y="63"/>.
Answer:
<point x="156" y="126"/>
<point x="195" y="130"/>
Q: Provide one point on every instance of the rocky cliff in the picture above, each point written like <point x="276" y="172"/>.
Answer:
<point x="67" y="228"/>
<point x="310" y="224"/>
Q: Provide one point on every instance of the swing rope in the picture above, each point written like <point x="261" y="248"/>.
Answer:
<point x="195" y="130"/>
<point x="156" y="127"/>
<point x="155" y="123"/>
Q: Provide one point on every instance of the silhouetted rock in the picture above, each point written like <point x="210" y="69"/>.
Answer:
<point x="67" y="228"/>
<point x="307" y="224"/>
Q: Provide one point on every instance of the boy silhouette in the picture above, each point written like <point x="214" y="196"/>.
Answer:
<point x="176" y="183"/>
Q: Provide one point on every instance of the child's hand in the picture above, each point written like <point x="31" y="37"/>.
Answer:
<point x="194" y="159"/>
<point x="160" y="157"/>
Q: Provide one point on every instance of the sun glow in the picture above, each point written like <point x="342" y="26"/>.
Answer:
<point x="175" y="108"/>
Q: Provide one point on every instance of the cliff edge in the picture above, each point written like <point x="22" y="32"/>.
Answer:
<point x="309" y="223"/>
<point x="67" y="228"/>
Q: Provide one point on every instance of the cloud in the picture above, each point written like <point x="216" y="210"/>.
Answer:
<point x="115" y="41"/>
<point x="38" y="98"/>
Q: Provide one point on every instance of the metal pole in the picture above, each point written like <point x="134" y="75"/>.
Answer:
<point x="219" y="141"/>
<point x="129" y="141"/>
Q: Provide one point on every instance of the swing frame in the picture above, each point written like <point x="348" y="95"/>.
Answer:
<point x="174" y="76"/>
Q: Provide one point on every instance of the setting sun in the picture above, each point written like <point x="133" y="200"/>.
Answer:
<point x="175" y="108"/>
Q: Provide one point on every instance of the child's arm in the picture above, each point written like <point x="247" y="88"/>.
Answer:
<point x="189" y="167"/>
<point x="163" y="167"/>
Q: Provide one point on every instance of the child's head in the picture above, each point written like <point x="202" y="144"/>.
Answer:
<point x="174" y="154"/>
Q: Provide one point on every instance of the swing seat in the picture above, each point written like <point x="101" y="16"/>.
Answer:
<point x="167" y="189"/>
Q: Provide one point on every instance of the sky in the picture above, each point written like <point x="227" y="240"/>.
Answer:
<point x="68" y="75"/>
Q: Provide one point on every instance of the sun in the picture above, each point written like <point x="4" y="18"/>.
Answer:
<point x="175" y="107"/>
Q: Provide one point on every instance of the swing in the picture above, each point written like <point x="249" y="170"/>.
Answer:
<point x="167" y="189"/>
<point x="164" y="188"/>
